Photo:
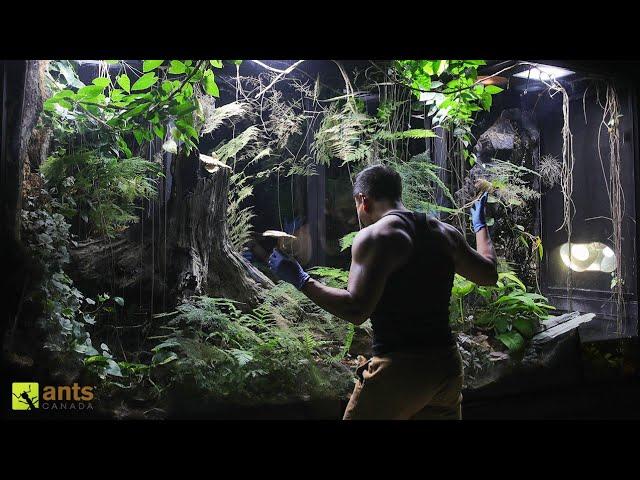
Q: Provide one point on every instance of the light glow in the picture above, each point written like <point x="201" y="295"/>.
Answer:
<point x="579" y="251"/>
<point x="594" y="257"/>
<point x="544" y="73"/>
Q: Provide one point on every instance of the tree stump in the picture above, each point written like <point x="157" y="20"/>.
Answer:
<point x="188" y="255"/>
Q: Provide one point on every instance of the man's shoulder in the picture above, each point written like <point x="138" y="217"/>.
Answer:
<point x="387" y="232"/>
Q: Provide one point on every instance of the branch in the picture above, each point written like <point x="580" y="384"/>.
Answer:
<point x="275" y="80"/>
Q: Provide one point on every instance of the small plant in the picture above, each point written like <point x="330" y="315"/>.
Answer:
<point x="512" y="313"/>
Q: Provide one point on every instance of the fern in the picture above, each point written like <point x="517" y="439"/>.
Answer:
<point x="343" y="135"/>
<point x="235" y="145"/>
<point x="334" y="277"/>
<point x="347" y="241"/>
<point x="239" y="226"/>
<point x="414" y="133"/>
<point x="215" y="117"/>
<point x="420" y="179"/>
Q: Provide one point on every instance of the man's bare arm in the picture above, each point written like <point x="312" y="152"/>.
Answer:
<point x="370" y="267"/>
<point x="479" y="266"/>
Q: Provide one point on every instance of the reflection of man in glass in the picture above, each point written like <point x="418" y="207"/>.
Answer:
<point x="401" y="275"/>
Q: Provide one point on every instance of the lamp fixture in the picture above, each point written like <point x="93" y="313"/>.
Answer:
<point x="543" y="73"/>
<point x="594" y="257"/>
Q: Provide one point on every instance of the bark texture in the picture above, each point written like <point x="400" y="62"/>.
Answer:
<point x="189" y="254"/>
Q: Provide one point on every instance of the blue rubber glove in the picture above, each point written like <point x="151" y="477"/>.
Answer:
<point x="287" y="269"/>
<point x="477" y="213"/>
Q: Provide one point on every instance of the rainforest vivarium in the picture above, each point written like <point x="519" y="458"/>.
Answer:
<point x="156" y="191"/>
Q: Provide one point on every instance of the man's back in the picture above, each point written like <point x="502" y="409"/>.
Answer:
<point x="413" y="311"/>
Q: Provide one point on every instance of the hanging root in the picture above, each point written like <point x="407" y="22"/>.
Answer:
<point x="611" y="120"/>
<point x="566" y="178"/>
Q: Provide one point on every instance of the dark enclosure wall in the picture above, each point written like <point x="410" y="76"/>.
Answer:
<point x="591" y="289"/>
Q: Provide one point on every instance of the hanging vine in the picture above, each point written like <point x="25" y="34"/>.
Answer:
<point x="566" y="179"/>
<point x="611" y="121"/>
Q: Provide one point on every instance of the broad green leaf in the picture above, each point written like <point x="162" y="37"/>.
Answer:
<point x="89" y="91"/>
<point x="177" y="67"/>
<point x="95" y="359"/>
<point x="113" y="368"/>
<point x="149" y="65"/>
<point x="512" y="340"/>
<point x="165" y="344"/>
<point x="159" y="130"/>
<point x="216" y="63"/>
<point x="124" y="82"/>
<point x="101" y="82"/>
<point x="167" y="86"/>
<point x="525" y="327"/>
<point x="492" y="89"/>
<point x="182" y="109"/>
<point x="145" y="81"/>
<point x="210" y="85"/>
<point x="187" y="129"/>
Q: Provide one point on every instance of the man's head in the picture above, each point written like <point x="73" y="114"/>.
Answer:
<point x="376" y="189"/>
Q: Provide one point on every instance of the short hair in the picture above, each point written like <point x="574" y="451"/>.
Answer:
<point x="379" y="182"/>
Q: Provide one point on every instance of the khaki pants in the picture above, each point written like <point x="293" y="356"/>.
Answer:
<point x="416" y="386"/>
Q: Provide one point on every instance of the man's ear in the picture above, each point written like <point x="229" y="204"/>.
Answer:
<point x="366" y="204"/>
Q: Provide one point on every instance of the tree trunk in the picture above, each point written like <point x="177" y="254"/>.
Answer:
<point x="187" y="255"/>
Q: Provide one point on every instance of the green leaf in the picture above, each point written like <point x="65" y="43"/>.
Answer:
<point x="95" y="359"/>
<point x="210" y="85"/>
<point x="113" y="368"/>
<point x="101" y="82"/>
<point x="167" y="86"/>
<point x="187" y="129"/>
<point x="89" y="91"/>
<point x="86" y="349"/>
<point x="137" y="110"/>
<point x="163" y="357"/>
<point x="183" y="109"/>
<point x="145" y="81"/>
<point x="159" y="130"/>
<point x="512" y="340"/>
<point x="492" y="89"/>
<point x="525" y="326"/>
<point x="177" y="67"/>
<point x="165" y="344"/>
<point x="124" y="82"/>
<point x="149" y="65"/>
<point x="216" y="63"/>
<point x="119" y="301"/>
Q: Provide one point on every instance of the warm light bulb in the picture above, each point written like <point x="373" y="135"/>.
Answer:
<point x="580" y="252"/>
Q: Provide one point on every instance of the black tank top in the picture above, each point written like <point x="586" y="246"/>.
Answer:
<point x="413" y="312"/>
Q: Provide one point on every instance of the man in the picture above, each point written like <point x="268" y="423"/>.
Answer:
<point x="402" y="270"/>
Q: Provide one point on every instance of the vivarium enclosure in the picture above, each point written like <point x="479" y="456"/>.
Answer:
<point x="143" y="198"/>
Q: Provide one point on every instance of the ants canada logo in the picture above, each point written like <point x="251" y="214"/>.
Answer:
<point x="25" y="396"/>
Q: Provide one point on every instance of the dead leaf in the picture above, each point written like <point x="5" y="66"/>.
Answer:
<point x="277" y="234"/>
<point x="212" y="164"/>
